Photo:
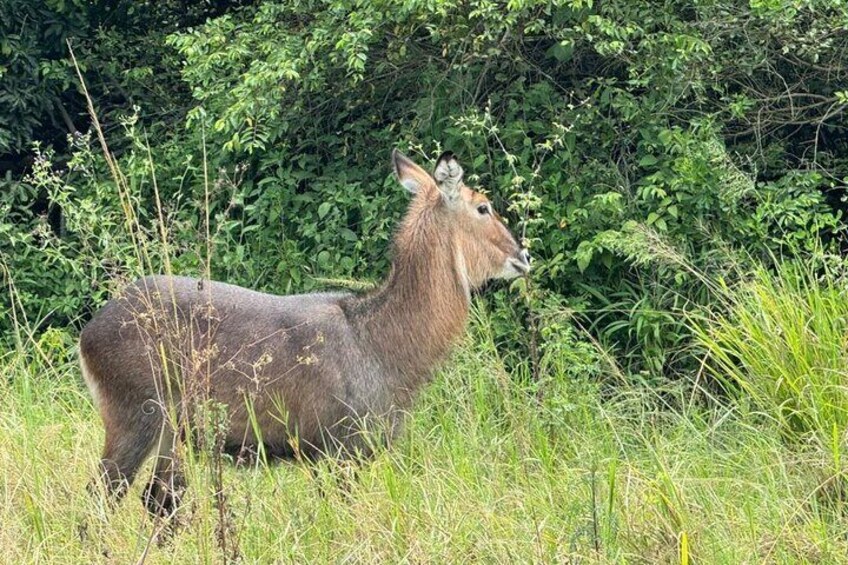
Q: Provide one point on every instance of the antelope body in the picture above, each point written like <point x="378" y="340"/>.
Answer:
<point x="303" y="375"/>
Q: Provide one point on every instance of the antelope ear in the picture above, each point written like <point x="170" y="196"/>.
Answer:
<point x="448" y="175"/>
<point x="411" y="176"/>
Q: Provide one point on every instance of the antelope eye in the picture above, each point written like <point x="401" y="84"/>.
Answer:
<point x="483" y="209"/>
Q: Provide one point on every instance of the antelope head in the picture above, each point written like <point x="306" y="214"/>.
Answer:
<point x="483" y="246"/>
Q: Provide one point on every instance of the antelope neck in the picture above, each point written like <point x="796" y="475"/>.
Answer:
<point x="414" y="318"/>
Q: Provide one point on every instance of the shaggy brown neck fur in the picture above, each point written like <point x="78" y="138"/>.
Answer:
<point x="414" y="318"/>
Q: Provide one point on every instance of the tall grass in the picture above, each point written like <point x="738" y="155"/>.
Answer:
<point x="485" y="472"/>
<point x="783" y="345"/>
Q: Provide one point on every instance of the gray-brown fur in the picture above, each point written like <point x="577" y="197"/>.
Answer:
<point x="316" y="369"/>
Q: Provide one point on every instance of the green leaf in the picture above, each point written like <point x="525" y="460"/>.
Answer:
<point x="323" y="209"/>
<point x="583" y="255"/>
<point x="647" y="161"/>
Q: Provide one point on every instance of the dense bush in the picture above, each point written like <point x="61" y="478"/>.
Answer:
<point x="637" y="146"/>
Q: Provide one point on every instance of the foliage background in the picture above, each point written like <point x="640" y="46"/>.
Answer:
<point x="639" y="145"/>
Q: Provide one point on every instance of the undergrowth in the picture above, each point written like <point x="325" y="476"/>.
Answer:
<point x="488" y="470"/>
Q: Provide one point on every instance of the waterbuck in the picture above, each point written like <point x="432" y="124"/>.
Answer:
<point x="299" y="375"/>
